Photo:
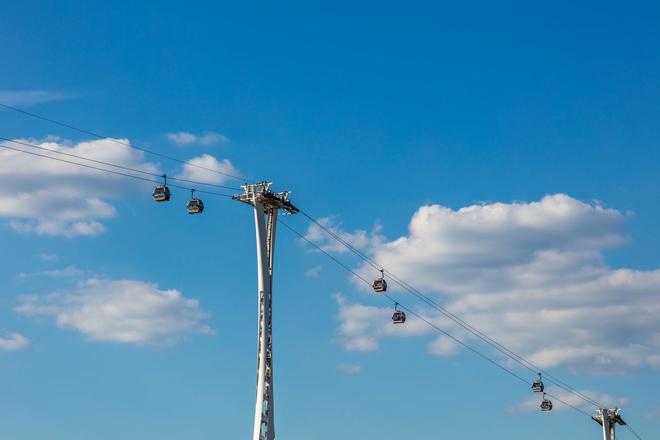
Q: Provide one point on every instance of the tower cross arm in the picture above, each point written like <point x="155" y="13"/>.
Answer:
<point x="253" y="192"/>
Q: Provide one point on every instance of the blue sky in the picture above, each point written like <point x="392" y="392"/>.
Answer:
<point x="501" y="157"/>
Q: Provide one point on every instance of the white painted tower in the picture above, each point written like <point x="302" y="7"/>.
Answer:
<point x="266" y="206"/>
<point x="608" y="419"/>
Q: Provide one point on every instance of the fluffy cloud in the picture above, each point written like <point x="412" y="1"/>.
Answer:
<point x="531" y="275"/>
<point x="54" y="198"/>
<point x="532" y="403"/>
<point x="192" y="170"/>
<point x="361" y="326"/>
<point x="31" y="97"/>
<point x="47" y="197"/>
<point x="14" y="342"/>
<point x="125" y="311"/>
<point x="187" y="138"/>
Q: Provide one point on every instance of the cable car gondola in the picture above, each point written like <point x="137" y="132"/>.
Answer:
<point x="398" y="317"/>
<point x="546" y="404"/>
<point x="162" y="192"/>
<point x="537" y="385"/>
<point x="195" y="206"/>
<point x="380" y="285"/>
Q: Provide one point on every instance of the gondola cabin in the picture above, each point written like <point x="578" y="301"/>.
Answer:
<point x="195" y="206"/>
<point x="161" y="193"/>
<point x="546" y="405"/>
<point x="398" y="317"/>
<point x="380" y="285"/>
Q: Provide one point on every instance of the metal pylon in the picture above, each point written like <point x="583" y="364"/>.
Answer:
<point x="608" y="419"/>
<point x="266" y="206"/>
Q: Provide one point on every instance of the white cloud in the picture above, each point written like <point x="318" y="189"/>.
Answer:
<point x="361" y="325"/>
<point x="356" y="329"/>
<point x="532" y="276"/>
<point x="350" y="369"/>
<point x="31" y="97"/>
<point x="125" y="311"/>
<point x="443" y="346"/>
<point x="532" y="403"/>
<point x="48" y="257"/>
<point x="359" y="239"/>
<point x="313" y="272"/>
<point x="192" y="170"/>
<point x="361" y="343"/>
<point x="207" y="138"/>
<point x="47" y="197"/>
<point x="14" y="342"/>
<point x="66" y="272"/>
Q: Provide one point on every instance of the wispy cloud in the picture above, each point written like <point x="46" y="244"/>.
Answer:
<point x="67" y="272"/>
<point x="13" y="342"/>
<point x="313" y="272"/>
<point x="532" y="404"/>
<point x="48" y="257"/>
<point x="207" y="138"/>
<point x="653" y="414"/>
<point x="359" y="239"/>
<point x="349" y="369"/>
<point x="31" y="97"/>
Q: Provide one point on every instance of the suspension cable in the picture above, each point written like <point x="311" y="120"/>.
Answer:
<point x="123" y="167"/>
<point x="632" y="431"/>
<point x="118" y="141"/>
<point x="118" y="173"/>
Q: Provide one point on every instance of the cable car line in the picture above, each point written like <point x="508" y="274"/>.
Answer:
<point x="7" y="147"/>
<point x="123" y="167"/>
<point x="337" y="261"/>
<point x="100" y="136"/>
<point x="493" y="343"/>
<point x="410" y="311"/>
<point x="483" y="356"/>
<point x="632" y="431"/>
<point x="482" y="336"/>
<point x="423" y="319"/>
<point x="429" y="301"/>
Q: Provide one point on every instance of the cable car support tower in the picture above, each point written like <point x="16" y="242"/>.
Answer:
<point x="267" y="205"/>
<point x="608" y="419"/>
